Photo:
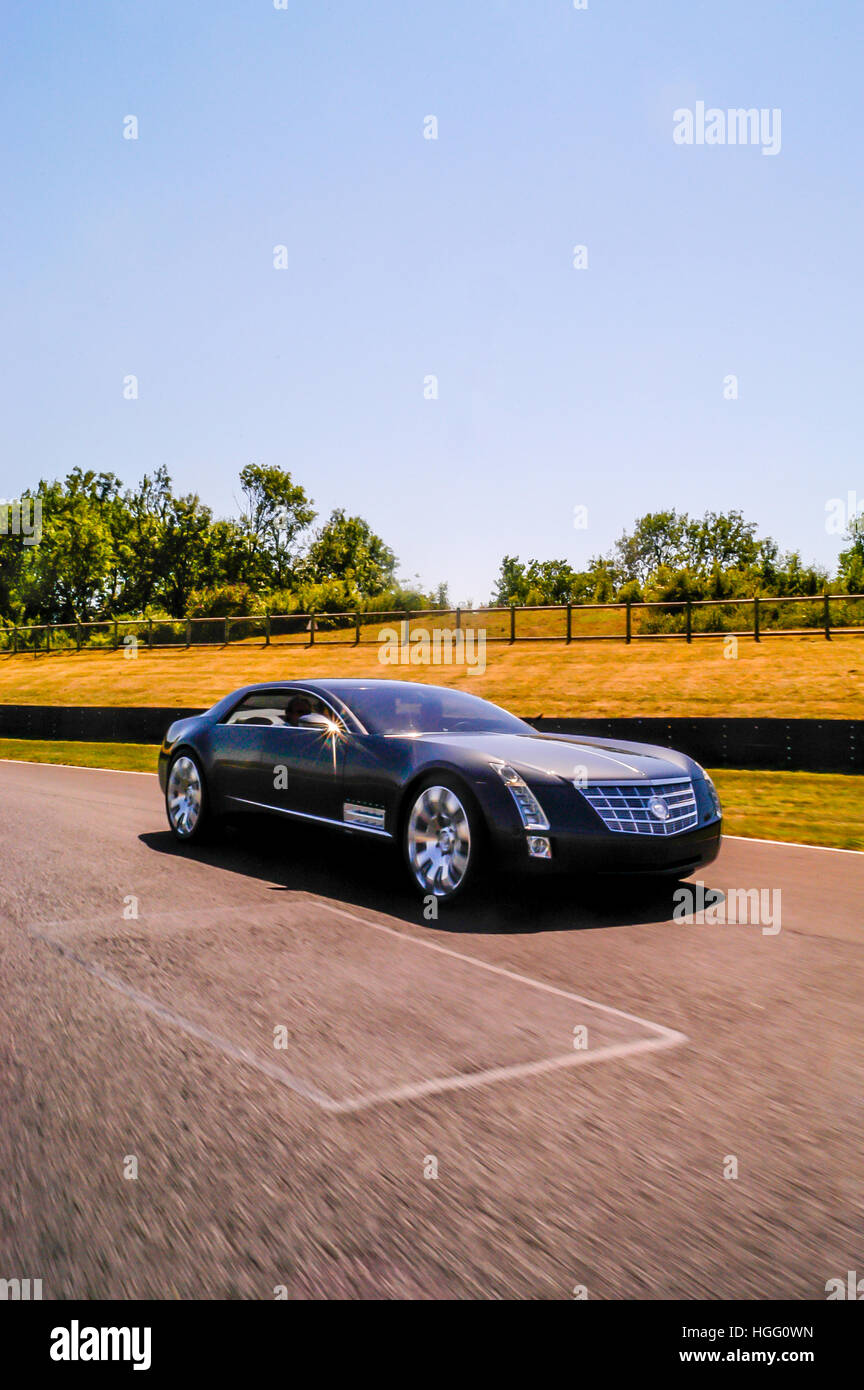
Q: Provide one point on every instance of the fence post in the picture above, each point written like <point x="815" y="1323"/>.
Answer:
<point x="406" y="629"/>
<point x="311" y="629"/>
<point x="827" y="620"/>
<point x="267" y="627"/>
<point x="77" y="635"/>
<point x="188" y="632"/>
<point x="14" y="639"/>
<point x="116" y="634"/>
<point x="47" y="637"/>
<point x="689" y="621"/>
<point x="357" y="629"/>
<point x="756" y="637"/>
<point x="227" y="633"/>
<point x="569" y="622"/>
<point x="627" y="626"/>
<point x="512" y="623"/>
<point x="149" y="634"/>
<point x="458" y="619"/>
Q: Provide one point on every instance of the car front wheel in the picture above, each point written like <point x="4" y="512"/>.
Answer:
<point x="186" y="799"/>
<point x="441" y="840"/>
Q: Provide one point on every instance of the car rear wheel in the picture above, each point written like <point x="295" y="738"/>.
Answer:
<point x="441" y="840"/>
<point x="186" y="799"/>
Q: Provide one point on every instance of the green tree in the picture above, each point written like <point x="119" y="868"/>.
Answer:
<point x="72" y="571"/>
<point x="145" y="525"/>
<point x="183" y="552"/>
<point x="723" y="540"/>
<point x="277" y="512"/>
<point x="347" y="548"/>
<point x="658" y="538"/>
<point x="852" y="559"/>
<point x="512" y="583"/>
<point x="541" y="581"/>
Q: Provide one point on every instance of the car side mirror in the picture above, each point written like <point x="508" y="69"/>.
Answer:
<point x="315" y="721"/>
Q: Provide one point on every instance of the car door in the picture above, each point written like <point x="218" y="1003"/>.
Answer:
<point x="236" y="744"/>
<point x="298" y="768"/>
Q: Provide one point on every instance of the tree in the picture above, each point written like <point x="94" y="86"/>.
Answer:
<point x="106" y="550"/>
<point x="723" y="539"/>
<point x="541" y="581"/>
<point x="658" y="538"/>
<point x="147" y="510"/>
<point x="347" y="548"/>
<point x="277" y="512"/>
<point x="704" y="546"/>
<point x="852" y="560"/>
<point x="512" y="584"/>
<point x="183" y="551"/>
<point x="72" y="571"/>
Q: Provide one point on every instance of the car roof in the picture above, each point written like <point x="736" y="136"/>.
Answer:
<point x="341" y="685"/>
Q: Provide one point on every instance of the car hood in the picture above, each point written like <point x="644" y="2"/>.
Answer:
<point x="570" y="756"/>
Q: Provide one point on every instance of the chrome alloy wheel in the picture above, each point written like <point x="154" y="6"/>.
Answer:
<point x="184" y="797"/>
<point x="438" y="841"/>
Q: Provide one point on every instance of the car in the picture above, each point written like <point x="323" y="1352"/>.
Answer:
<point x="456" y="783"/>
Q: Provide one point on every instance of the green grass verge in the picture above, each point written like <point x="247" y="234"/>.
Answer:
<point x="813" y="808"/>
<point x="123" y="757"/>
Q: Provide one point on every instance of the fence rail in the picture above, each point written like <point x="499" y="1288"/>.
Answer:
<point x="685" y="620"/>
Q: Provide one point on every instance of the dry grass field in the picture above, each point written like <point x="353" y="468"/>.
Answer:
<point x="779" y="677"/>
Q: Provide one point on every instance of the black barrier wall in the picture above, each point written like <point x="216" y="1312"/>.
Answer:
<point x="808" y="745"/>
<point x="89" y="723"/>
<point x="805" y="745"/>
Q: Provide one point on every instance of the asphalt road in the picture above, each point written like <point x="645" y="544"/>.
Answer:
<point x="288" y="1053"/>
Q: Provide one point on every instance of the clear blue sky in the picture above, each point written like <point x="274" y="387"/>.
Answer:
<point x="558" y="387"/>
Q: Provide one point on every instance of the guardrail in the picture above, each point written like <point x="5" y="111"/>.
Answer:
<point x="814" y="745"/>
<point x="686" y="620"/>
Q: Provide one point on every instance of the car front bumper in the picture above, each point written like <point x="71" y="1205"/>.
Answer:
<point x="609" y="853"/>
<point x="580" y="843"/>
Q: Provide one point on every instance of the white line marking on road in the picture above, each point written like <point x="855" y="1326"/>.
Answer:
<point x="792" y="844"/>
<point x="161" y="1011"/>
<point x="78" y="767"/>
<point x="465" y="1080"/>
<point x="663" y="1037"/>
<point x="500" y="970"/>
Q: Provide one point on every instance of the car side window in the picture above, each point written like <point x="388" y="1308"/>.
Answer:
<point x="279" y="709"/>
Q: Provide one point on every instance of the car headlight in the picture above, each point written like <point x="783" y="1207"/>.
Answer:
<point x="531" y="812"/>
<point x="712" y="792"/>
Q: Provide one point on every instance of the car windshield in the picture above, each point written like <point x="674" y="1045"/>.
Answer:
<point x="385" y="709"/>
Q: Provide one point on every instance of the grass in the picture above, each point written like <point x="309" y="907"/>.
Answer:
<point x="122" y="757"/>
<point x="813" y="808"/>
<point x="791" y="677"/>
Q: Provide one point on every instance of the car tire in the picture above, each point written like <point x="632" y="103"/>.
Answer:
<point x="187" y="803"/>
<point x="442" y="837"/>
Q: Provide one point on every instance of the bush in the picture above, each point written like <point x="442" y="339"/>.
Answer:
<point x="225" y="601"/>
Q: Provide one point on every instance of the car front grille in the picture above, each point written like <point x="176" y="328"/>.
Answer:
<point x="626" y="807"/>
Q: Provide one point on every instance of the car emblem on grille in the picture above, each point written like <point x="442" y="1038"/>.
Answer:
<point x="658" y="808"/>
